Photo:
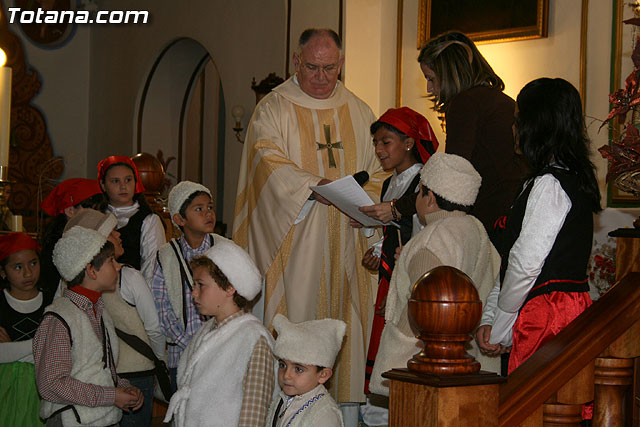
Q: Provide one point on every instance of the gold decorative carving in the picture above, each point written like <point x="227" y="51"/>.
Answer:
<point x="30" y="144"/>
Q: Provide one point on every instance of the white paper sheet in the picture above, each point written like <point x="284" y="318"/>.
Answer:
<point x="347" y="195"/>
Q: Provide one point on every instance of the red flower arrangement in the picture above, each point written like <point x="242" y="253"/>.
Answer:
<point x="624" y="154"/>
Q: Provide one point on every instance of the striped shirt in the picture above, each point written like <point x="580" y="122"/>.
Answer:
<point x="53" y="363"/>
<point x="172" y="327"/>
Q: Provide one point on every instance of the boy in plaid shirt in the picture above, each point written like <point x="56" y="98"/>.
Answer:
<point x="191" y="208"/>
<point x="75" y="345"/>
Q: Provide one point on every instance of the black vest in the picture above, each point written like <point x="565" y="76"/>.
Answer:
<point x="22" y="326"/>
<point x="130" y="235"/>
<point x="565" y="268"/>
<point x="390" y="242"/>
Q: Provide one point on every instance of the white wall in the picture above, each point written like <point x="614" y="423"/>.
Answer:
<point x="370" y="46"/>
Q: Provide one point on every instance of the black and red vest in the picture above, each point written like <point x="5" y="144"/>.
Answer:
<point x="565" y="268"/>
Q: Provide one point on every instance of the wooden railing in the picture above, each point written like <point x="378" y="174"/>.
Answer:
<point x="593" y="356"/>
<point x="572" y="350"/>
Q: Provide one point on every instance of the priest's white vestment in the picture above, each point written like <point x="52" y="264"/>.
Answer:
<point x="311" y="260"/>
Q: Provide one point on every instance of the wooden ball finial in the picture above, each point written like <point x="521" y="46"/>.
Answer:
<point x="445" y="308"/>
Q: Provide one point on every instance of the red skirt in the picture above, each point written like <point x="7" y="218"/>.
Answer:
<point x="542" y="318"/>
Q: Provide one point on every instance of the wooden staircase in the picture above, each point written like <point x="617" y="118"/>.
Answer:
<point x="595" y="358"/>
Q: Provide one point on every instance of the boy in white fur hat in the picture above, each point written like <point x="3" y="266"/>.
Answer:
<point x="226" y="374"/>
<point x="306" y="353"/>
<point x="191" y="208"/>
<point x="75" y="346"/>
<point x="448" y="190"/>
<point x="133" y="312"/>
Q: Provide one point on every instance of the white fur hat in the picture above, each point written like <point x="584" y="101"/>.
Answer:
<point x="103" y="223"/>
<point x="238" y="266"/>
<point x="451" y="177"/>
<point x="315" y="342"/>
<point x="76" y="248"/>
<point x="181" y="192"/>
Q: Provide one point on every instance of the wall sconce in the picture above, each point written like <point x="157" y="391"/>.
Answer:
<point x="238" y="113"/>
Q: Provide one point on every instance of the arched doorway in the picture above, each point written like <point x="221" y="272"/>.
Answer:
<point x="181" y="112"/>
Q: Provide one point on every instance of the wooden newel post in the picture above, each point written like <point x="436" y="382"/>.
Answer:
<point x="443" y="385"/>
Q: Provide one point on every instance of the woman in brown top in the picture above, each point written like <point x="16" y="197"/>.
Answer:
<point x="478" y="117"/>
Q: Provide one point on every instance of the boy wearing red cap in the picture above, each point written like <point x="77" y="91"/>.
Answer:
<point x="141" y="230"/>
<point x="65" y="200"/>
<point x="21" y="307"/>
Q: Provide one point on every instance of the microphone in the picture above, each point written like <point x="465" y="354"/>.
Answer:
<point x="361" y="177"/>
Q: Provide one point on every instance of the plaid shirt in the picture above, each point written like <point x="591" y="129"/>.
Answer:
<point x="172" y="327"/>
<point x="53" y="363"/>
<point x="258" y="382"/>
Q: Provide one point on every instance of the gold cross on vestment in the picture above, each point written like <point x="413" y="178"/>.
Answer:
<point x="329" y="145"/>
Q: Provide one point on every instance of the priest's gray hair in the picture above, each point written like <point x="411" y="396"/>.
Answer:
<point x="311" y="32"/>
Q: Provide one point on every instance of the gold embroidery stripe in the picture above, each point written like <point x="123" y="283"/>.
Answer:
<point x="336" y="286"/>
<point x="349" y="143"/>
<point x="323" y="298"/>
<point x="275" y="275"/>
<point x="365" y="281"/>
<point x="307" y="133"/>
<point x="344" y="375"/>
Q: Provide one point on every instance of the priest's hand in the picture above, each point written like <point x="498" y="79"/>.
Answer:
<point x="381" y="211"/>
<point x="354" y="223"/>
<point x="370" y="261"/>
<point x="318" y="197"/>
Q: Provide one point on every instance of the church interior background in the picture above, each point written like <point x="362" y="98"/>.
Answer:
<point x="174" y="83"/>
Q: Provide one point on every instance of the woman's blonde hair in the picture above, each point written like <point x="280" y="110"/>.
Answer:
<point x="458" y="66"/>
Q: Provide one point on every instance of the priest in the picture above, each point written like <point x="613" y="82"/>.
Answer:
<point x="309" y="131"/>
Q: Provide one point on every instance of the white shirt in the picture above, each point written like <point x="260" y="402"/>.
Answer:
<point x="152" y="236"/>
<point x="135" y="291"/>
<point x="547" y="209"/>
<point x="398" y="185"/>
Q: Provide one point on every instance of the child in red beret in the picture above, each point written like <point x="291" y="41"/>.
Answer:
<point x="64" y="201"/>
<point x="141" y="230"/>
<point x="22" y="304"/>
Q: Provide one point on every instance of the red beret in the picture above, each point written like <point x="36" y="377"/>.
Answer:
<point x="69" y="193"/>
<point x="414" y="125"/>
<point x="104" y="164"/>
<point x="14" y="242"/>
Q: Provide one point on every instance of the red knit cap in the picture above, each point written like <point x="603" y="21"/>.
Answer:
<point x="14" y="242"/>
<point x="414" y="125"/>
<point x="104" y="164"/>
<point x="69" y="193"/>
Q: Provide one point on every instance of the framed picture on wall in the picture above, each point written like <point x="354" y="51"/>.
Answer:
<point x="488" y="21"/>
